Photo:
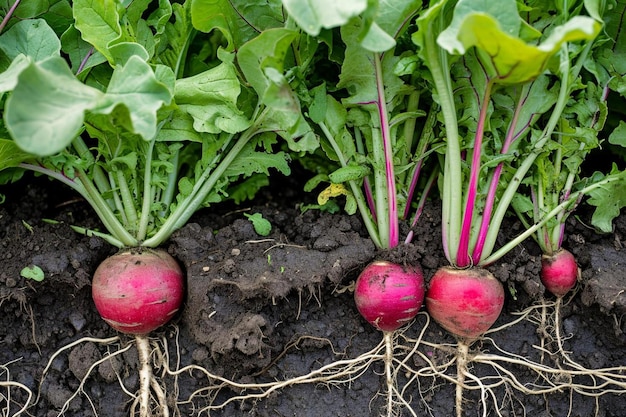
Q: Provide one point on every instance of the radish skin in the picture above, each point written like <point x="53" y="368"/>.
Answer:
<point x="559" y="272"/>
<point x="137" y="292"/>
<point x="465" y="302"/>
<point x="389" y="295"/>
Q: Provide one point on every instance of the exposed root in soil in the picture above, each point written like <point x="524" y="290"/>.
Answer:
<point x="150" y="389"/>
<point x="511" y="372"/>
<point x="6" y="399"/>
<point x="610" y="379"/>
<point x="338" y="373"/>
<point x="148" y="384"/>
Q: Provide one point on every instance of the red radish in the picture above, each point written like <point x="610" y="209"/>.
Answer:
<point x="137" y="291"/>
<point x="465" y="302"/>
<point x="559" y="272"/>
<point x="389" y="295"/>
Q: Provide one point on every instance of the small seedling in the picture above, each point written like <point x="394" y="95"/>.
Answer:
<point x="33" y="272"/>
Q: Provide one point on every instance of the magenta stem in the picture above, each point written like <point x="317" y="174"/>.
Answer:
<point x="392" y="209"/>
<point x="463" y="257"/>
<point x="493" y="185"/>
<point x="8" y="16"/>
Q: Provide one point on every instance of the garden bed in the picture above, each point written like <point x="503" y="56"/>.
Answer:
<point x="262" y="309"/>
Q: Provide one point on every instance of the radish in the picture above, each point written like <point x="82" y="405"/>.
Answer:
<point x="559" y="272"/>
<point x="136" y="292"/>
<point x="465" y="302"/>
<point x="389" y="296"/>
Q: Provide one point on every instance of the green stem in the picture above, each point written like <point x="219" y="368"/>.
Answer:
<point x="148" y="194"/>
<point x="452" y="179"/>
<point x="356" y="190"/>
<point x="202" y="188"/>
<point x="527" y="163"/>
<point x="104" y="213"/>
<point x="572" y="199"/>
<point x="127" y="202"/>
<point x="98" y="174"/>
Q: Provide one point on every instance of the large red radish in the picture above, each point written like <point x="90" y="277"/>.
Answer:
<point x="559" y="272"/>
<point x="465" y="302"/>
<point x="137" y="291"/>
<point x="389" y="295"/>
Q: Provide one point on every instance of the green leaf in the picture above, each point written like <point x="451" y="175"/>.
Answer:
<point x="238" y="20"/>
<point x="135" y="86"/>
<point x="11" y="155"/>
<point x="313" y="15"/>
<point x="349" y="173"/>
<point x="33" y="272"/>
<point x="493" y="28"/>
<point x="250" y="161"/>
<point x="10" y="77"/>
<point x="99" y="23"/>
<point x="43" y="118"/>
<point x="618" y="136"/>
<point x="261" y="225"/>
<point x="33" y="38"/>
<point x="268" y="50"/>
<point x="210" y="98"/>
<point x="608" y="199"/>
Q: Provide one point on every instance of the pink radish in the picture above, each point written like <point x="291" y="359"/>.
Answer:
<point x="465" y="302"/>
<point x="389" y="295"/>
<point x="135" y="292"/>
<point x="559" y="272"/>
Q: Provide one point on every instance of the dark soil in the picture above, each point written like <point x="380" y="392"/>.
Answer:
<point x="263" y="309"/>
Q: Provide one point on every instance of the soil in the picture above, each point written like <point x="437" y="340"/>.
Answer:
<point x="265" y="309"/>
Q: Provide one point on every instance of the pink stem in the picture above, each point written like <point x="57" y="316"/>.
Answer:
<point x="9" y="14"/>
<point x="463" y="257"/>
<point x="493" y="185"/>
<point x="394" y="228"/>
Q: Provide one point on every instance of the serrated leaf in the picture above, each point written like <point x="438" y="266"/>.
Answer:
<point x="210" y="98"/>
<point x="11" y="155"/>
<point x="135" y="86"/>
<point x="237" y="20"/>
<point x="609" y="200"/>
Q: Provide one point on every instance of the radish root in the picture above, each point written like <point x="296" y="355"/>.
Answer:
<point x="6" y="396"/>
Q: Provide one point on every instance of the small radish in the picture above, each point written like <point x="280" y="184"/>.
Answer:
<point x="136" y="292"/>
<point x="389" y="295"/>
<point x="465" y="302"/>
<point x="559" y="272"/>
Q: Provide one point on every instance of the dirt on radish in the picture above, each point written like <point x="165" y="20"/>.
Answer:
<point x="258" y="309"/>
